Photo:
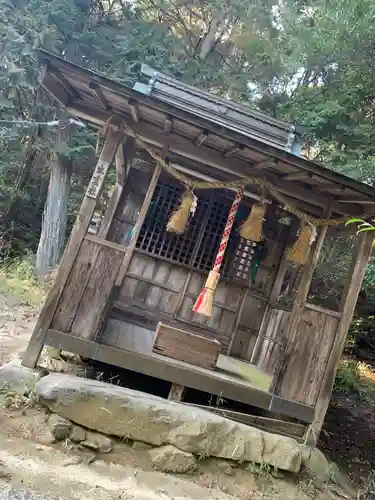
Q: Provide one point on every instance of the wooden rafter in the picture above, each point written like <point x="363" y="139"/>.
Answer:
<point x="121" y="91"/>
<point x="168" y="124"/>
<point x="63" y="81"/>
<point x="297" y="176"/>
<point x="99" y="94"/>
<point x="360" y="201"/>
<point x="233" y="150"/>
<point x="200" y="139"/>
<point x="263" y="165"/>
<point x="133" y="110"/>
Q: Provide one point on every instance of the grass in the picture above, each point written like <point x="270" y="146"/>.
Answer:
<point x="356" y="377"/>
<point x="18" y="280"/>
<point x="368" y="488"/>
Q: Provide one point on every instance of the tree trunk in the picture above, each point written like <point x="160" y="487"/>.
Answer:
<point x="55" y="216"/>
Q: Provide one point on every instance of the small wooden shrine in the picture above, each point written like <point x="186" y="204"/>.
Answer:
<point x="214" y="219"/>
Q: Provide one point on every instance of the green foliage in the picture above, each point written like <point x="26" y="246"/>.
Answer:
<point x="18" y="280"/>
<point x="355" y="377"/>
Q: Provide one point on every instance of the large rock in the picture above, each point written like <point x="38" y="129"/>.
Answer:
<point x="125" y="413"/>
<point x="97" y="442"/>
<point x="171" y="459"/>
<point x="17" y="378"/>
<point x="316" y="463"/>
<point x="78" y="434"/>
<point x="60" y="427"/>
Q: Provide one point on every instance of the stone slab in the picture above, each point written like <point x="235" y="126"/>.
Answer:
<point x="125" y="413"/>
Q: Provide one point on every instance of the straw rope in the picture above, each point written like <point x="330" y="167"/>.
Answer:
<point x="265" y="185"/>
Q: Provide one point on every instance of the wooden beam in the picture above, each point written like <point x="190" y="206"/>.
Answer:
<point x="133" y="110"/>
<point x="234" y="150"/>
<point x="200" y="139"/>
<point x="360" y="202"/>
<point x="272" y="300"/>
<point x="178" y="145"/>
<point x="167" y="124"/>
<point x="203" y="177"/>
<point x="179" y="373"/>
<point x="35" y="346"/>
<point x="253" y="144"/>
<point x="263" y="165"/>
<point x="53" y="87"/>
<point x="272" y="425"/>
<point x="240" y="168"/>
<point x="324" y="310"/>
<point x="99" y="94"/>
<point x="361" y="255"/>
<point x="296" y="177"/>
<point x="176" y="392"/>
<point x="124" y="157"/>
<point x="105" y="243"/>
<point x="64" y="82"/>
<point x="138" y="226"/>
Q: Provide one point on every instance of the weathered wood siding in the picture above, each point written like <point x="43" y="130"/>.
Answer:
<point x="156" y="288"/>
<point x="153" y="283"/>
<point x="272" y="340"/>
<point x="84" y="299"/>
<point x="225" y="308"/>
<point x="303" y="371"/>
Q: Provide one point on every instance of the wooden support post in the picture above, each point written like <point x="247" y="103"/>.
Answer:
<point x="124" y="157"/>
<point x="275" y="292"/>
<point x="361" y="256"/>
<point x="35" y="346"/>
<point x="176" y="392"/>
<point x="298" y="306"/>
<point x="129" y="250"/>
<point x="138" y="226"/>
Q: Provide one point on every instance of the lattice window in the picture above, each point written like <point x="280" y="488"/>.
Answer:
<point x="198" y="246"/>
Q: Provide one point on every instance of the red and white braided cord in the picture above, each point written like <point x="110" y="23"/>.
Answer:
<point x="227" y="230"/>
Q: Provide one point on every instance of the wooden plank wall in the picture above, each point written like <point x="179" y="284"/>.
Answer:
<point x="161" y="289"/>
<point x="85" y="295"/>
<point x="153" y="283"/>
<point x="303" y="371"/>
<point x="273" y="340"/>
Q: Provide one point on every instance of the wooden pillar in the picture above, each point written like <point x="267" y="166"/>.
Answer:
<point x="176" y="392"/>
<point x="124" y="157"/>
<point x="138" y="226"/>
<point x="275" y="292"/>
<point x="129" y="250"/>
<point x="297" y="310"/>
<point x="114" y="136"/>
<point x="361" y="255"/>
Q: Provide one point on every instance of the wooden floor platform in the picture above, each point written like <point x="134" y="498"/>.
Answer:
<point x="233" y="379"/>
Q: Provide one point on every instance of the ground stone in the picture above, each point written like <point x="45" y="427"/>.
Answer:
<point x="126" y="413"/>
<point x="7" y="493"/>
<point x="17" y="378"/>
<point x="78" y="434"/>
<point x="60" y="427"/>
<point x="224" y="467"/>
<point x="171" y="459"/>
<point x="97" y="442"/>
<point x="139" y="446"/>
<point x="315" y="462"/>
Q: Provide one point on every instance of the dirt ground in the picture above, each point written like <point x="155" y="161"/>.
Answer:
<point x="28" y="456"/>
<point x="349" y="438"/>
<point x="16" y="324"/>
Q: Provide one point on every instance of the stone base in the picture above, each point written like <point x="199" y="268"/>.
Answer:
<point x="125" y="413"/>
<point x="17" y="378"/>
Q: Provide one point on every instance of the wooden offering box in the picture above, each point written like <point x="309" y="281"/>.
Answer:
<point x="186" y="346"/>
